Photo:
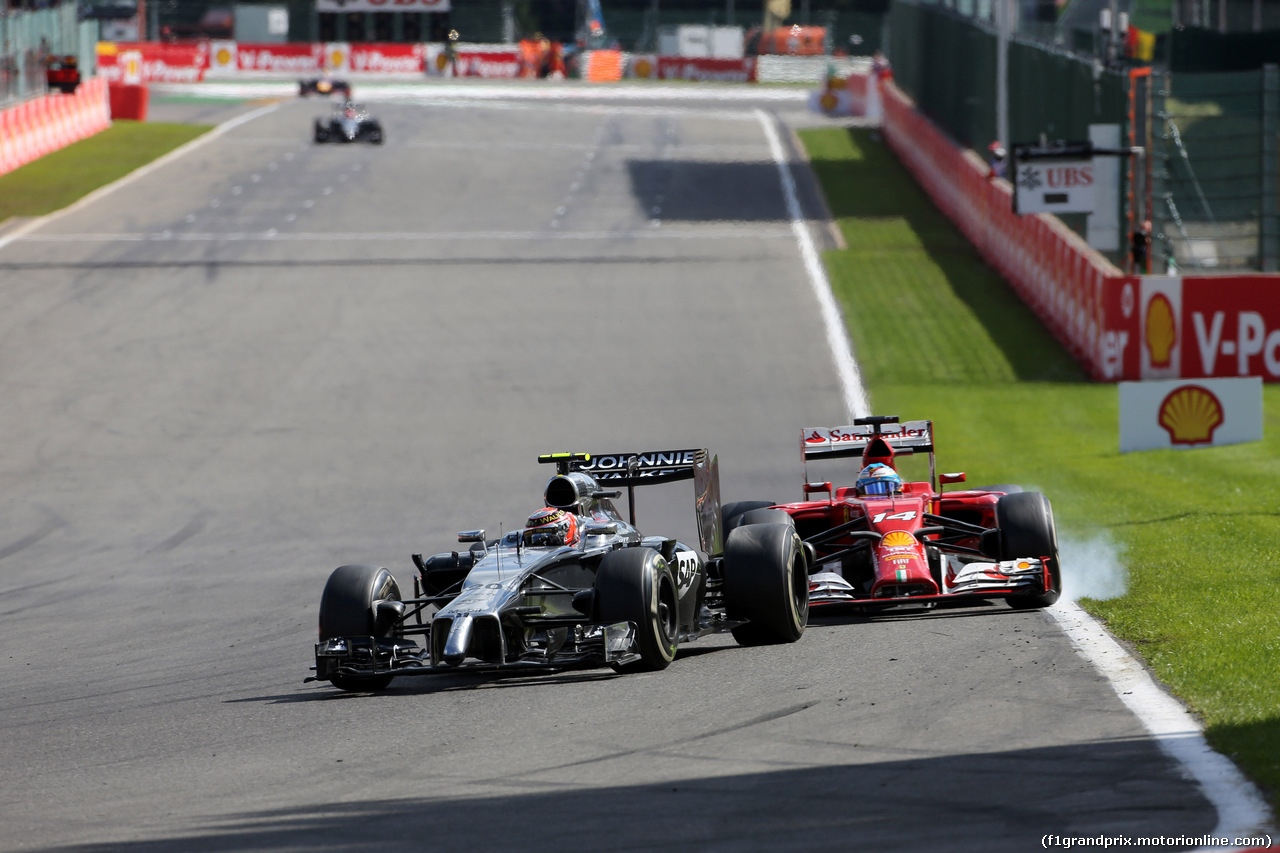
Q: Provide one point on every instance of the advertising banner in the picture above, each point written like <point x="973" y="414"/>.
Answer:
<point x="153" y="62"/>
<point x="1183" y="413"/>
<point x="697" y="68"/>
<point x="1054" y="186"/>
<point x="284" y="58"/>
<point x="383" y="5"/>
<point x="387" y="58"/>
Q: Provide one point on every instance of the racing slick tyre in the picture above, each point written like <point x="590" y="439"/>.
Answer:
<point x="1007" y="488"/>
<point x="347" y="609"/>
<point x="731" y="513"/>
<point x="636" y="585"/>
<point x="321" y="133"/>
<point x="375" y="135"/>
<point x="1026" y="527"/>
<point x="766" y="581"/>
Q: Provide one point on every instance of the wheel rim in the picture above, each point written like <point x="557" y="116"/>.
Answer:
<point x="667" y="610"/>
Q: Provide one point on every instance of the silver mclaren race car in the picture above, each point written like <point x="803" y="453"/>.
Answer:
<point x="578" y="585"/>
<point x="349" y="123"/>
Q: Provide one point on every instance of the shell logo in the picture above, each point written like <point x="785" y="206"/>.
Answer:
<point x="442" y="59"/>
<point x="644" y="69"/>
<point x="222" y="58"/>
<point x="1162" y="334"/>
<point x="337" y="58"/>
<point x="828" y="101"/>
<point x="898" y="539"/>
<point x="1190" y="414"/>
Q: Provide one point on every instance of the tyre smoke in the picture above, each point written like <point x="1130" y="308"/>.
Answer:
<point x="1092" y="567"/>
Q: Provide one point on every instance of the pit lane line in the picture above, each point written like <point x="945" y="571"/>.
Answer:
<point x="1242" y="811"/>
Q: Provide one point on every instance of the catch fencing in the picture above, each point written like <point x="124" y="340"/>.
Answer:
<point x="1215" y="193"/>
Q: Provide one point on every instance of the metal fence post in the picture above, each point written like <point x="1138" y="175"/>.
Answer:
<point x="1269" y="227"/>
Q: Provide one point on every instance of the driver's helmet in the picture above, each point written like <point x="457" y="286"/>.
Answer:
<point x="878" y="480"/>
<point x="551" y="527"/>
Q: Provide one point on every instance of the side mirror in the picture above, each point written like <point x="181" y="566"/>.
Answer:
<point x="607" y="529"/>
<point x="948" y="479"/>
<point x="471" y="536"/>
<point x="810" y="488"/>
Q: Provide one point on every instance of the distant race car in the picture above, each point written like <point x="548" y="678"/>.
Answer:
<point x="885" y="543"/>
<point x="324" y="86"/>
<point x="349" y="123"/>
<point x="577" y="586"/>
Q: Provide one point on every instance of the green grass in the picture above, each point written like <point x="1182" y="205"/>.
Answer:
<point x="58" y="179"/>
<point x="939" y="335"/>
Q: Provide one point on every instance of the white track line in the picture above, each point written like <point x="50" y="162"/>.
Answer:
<point x="1242" y="811"/>
<point x="855" y="395"/>
<point x="180" y="151"/>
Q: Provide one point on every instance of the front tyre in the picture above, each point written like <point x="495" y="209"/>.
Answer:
<point x="636" y="585"/>
<point x="766" y="581"/>
<point x="347" y="609"/>
<point x="1027" y="529"/>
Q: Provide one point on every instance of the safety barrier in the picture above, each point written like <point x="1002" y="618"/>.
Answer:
<point x="34" y="128"/>
<point x="1116" y="326"/>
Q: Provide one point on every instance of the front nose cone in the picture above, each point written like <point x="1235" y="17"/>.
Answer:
<point x="455" y="650"/>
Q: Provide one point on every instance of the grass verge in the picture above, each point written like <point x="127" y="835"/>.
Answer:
<point x="59" y="179"/>
<point x="1190" y="534"/>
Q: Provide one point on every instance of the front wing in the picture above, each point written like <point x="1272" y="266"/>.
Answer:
<point x="973" y="581"/>
<point x="367" y="657"/>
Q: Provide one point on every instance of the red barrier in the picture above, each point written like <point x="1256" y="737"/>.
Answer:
<point x="34" y="128"/>
<point x="1117" y="326"/>
<point x="129" y="102"/>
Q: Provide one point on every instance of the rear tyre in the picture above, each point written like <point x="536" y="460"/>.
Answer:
<point x="766" y="581"/>
<point x="347" y="610"/>
<point x="636" y="585"/>
<point x="731" y="513"/>
<point x="1027" y="529"/>
<point x="321" y="133"/>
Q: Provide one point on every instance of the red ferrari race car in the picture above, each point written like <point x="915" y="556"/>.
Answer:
<point x="885" y="543"/>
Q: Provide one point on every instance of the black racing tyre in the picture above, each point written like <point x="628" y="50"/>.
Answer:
<point x="346" y="610"/>
<point x="1027" y="529"/>
<point x="636" y="585"/>
<point x="321" y="133"/>
<point x="731" y="513"/>
<point x="766" y="581"/>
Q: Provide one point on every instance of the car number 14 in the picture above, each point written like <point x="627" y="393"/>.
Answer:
<point x="896" y="516"/>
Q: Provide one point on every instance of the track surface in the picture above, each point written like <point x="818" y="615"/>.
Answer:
<point x="269" y="358"/>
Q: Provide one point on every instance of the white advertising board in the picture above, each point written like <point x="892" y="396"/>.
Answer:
<point x="1186" y="413"/>
<point x="1054" y="186"/>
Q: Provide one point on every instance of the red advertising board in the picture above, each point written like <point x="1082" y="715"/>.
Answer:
<point x="683" y="68"/>
<point x="487" y="64"/>
<point x="387" y="58"/>
<point x="156" y="62"/>
<point x="286" y="58"/>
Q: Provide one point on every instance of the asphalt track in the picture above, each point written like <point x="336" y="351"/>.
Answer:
<point x="264" y="359"/>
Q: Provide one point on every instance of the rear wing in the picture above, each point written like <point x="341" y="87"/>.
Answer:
<point x="845" y="441"/>
<point x="838" y="442"/>
<point x="650" y="468"/>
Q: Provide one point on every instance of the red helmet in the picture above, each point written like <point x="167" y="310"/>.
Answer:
<point x="551" y="527"/>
